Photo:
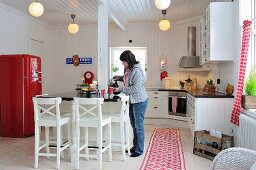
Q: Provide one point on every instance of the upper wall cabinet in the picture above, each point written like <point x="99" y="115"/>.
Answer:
<point x="217" y="33"/>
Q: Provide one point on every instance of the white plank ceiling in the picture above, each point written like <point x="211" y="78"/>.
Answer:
<point x="57" y="12"/>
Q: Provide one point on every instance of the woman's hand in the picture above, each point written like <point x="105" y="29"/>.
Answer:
<point x="115" y="89"/>
<point x="115" y="78"/>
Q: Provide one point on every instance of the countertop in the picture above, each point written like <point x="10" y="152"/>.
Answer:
<point x="200" y="94"/>
<point x="70" y="95"/>
<point x="196" y="93"/>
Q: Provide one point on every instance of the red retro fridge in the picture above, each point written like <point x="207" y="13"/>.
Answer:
<point x="20" y="80"/>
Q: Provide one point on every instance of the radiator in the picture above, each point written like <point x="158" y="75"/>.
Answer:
<point x="246" y="137"/>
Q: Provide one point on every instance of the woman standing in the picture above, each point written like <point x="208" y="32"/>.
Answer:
<point x="133" y="79"/>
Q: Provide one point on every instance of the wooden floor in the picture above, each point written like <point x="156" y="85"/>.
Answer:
<point x="18" y="154"/>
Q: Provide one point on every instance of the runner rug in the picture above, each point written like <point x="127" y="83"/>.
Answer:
<point x="164" y="151"/>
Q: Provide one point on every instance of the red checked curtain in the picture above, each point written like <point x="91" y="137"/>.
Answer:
<point x="242" y="69"/>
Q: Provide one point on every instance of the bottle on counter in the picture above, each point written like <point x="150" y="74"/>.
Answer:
<point x="194" y="85"/>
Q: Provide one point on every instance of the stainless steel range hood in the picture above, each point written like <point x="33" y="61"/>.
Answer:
<point x="191" y="60"/>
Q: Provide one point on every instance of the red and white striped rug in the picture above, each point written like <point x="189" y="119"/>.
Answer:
<point x="164" y="151"/>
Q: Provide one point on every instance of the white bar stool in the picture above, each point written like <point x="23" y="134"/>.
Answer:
<point x="122" y="118"/>
<point x="47" y="114"/>
<point x="88" y="112"/>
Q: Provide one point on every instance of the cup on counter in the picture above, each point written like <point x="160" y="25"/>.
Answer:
<point x="102" y="93"/>
<point x="110" y="92"/>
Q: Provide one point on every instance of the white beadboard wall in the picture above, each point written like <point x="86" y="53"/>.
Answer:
<point x="179" y="46"/>
<point x="59" y="44"/>
<point x="84" y="44"/>
<point x="16" y="33"/>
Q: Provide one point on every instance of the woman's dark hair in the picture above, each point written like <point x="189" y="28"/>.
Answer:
<point x="129" y="57"/>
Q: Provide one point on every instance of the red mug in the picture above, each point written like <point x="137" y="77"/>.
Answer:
<point x="110" y="90"/>
<point x="102" y="93"/>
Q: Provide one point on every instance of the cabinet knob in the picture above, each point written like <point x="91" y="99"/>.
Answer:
<point x="155" y="107"/>
<point x="155" y="97"/>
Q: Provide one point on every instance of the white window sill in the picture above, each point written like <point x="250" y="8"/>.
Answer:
<point x="249" y="112"/>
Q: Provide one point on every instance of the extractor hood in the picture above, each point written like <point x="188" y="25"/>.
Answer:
<point x="191" y="60"/>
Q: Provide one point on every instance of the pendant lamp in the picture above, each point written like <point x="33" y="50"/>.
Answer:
<point x="72" y="27"/>
<point x="164" y="24"/>
<point x="162" y="4"/>
<point x="36" y="9"/>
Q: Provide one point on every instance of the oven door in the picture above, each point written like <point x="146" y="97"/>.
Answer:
<point x="181" y="106"/>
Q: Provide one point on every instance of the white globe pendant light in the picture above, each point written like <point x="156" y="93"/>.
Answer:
<point x="162" y="4"/>
<point x="72" y="27"/>
<point x="164" y="24"/>
<point x="36" y="9"/>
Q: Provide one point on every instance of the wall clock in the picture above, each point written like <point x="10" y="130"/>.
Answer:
<point x="88" y="77"/>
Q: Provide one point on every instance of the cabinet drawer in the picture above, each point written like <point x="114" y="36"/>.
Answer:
<point x="157" y="93"/>
<point x="158" y="101"/>
<point x="156" y="111"/>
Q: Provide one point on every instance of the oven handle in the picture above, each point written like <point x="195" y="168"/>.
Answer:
<point x="181" y="97"/>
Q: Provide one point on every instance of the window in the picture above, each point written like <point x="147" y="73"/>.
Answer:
<point x="254" y="34"/>
<point x="115" y="52"/>
<point x="251" y="56"/>
<point x="248" y="12"/>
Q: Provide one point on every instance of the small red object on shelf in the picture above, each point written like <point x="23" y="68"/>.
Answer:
<point x="163" y="75"/>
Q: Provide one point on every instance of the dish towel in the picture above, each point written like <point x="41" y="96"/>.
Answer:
<point x="242" y="69"/>
<point x="174" y="103"/>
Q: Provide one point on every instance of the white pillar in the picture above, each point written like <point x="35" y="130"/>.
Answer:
<point x="103" y="56"/>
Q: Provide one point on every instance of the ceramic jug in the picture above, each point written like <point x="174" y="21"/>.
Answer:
<point x="229" y="89"/>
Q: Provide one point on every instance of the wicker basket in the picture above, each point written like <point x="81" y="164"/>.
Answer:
<point x="209" y="146"/>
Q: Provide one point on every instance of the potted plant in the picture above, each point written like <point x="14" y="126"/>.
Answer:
<point x="249" y="99"/>
<point x="114" y="69"/>
<point x="209" y="87"/>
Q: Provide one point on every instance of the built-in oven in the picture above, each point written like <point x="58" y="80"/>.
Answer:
<point x="180" y="99"/>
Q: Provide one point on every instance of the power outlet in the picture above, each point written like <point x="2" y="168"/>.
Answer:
<point x="218" y="81"/>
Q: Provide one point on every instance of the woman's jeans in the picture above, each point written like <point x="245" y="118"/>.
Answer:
<point x="136" y="113"/>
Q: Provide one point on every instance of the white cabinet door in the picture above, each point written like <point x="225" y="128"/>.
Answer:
<point x="210" y="113"/>
<point x="157" y="105"/>
<point x="217" y="33"/>
<point x="191" y="113"/>
<point x="201" y="112"/>
<point x="219" y="112"/>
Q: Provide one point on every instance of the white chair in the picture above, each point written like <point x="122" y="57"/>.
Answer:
<point x="122" y="118"/>
<point x="47" y="114"/>
<point x="88" y="112"/>
<point x="234" y="159"/>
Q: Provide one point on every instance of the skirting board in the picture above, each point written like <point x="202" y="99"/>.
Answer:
<point x="161" y="121"/>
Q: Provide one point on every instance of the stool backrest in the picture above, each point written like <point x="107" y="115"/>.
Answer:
<point x="125" y="107"/>
<point x="88" y="107"/>
<point x="46" y="108"/>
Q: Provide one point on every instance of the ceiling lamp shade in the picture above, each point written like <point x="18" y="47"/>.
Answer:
<point x="36" y="9"/>
<point x="162" y="4"/>
<point x="72" y="27"/>
<point x="164" y="24"/>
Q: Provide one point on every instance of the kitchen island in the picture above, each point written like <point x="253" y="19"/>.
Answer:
<point x="109" y="106"/>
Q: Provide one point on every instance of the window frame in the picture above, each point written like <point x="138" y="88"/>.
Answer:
<point x="111" y="54"/>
